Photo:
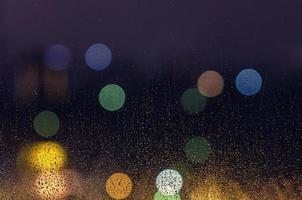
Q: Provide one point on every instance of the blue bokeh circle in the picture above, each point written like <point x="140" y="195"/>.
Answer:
<point x="98" y="56"/>
<point x="248" y="82"/>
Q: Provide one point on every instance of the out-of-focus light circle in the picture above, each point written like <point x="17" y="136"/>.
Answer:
<point x="192" y="101"/>
<point x="112" y="97"/>
<point x="248" y="82"/>
<point x="98" y="56"/>
<point x="57" y="57"/>
<point x="45" y="156"/>
<point x="46" y="124"/>
<point x="169" y="182"/>
<point x="119" y="186"/>
<point x="159" y="196"/>
<point x="50" y="185"/>
<point x="210" y="84"/>
<point x="197" y="149"/>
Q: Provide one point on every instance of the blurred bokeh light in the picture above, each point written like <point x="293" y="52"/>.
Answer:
<point x="45" y="156"/>
<point x="210" y="84"/>
<point x="57" y="57"/>
<point x="214" y="187"/>
<point x="50" y="185"/>
<point x="98" y="56"/>
<point x="112" y="97"/>
<point x="119" y="186"/>
<point x="248" y="82"/>
<point x="192" y="101"/>
<point x="169" y="182"/>
<point x="159" y="196"/>
<point x="46" y="124"/>
<point x="197" y="149"/>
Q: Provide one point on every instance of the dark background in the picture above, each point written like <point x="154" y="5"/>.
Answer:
<point x="159" y="50"/>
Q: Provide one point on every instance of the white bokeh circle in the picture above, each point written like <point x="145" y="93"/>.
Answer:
<point x="169" y="182"/>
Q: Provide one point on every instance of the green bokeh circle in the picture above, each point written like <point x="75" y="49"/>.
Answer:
<point x="159" y="196"/>
<point x="112" y="97"/>
<point x="197" y="149"/>
<point x="46" y="124"/>
<point x="193" y="101"/>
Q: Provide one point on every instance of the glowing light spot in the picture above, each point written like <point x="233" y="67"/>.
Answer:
<point x="46" y="124"/>
<point x="210" y="84"/>
<point x="248" y="82"/>
<point x="98" y="56"/>
<point x="197" y="149"/>
<point x="112" y="97"/>
<point x="219" y="188"/>
<point x="57" y="57"/>
<point x="119" y="186"/>
<point x="159" y="196"/>
<point x="45" y="156"/>
<point x="192" y="101"/>
<point x="169" y="182"/>
<point x="50" y="185"/>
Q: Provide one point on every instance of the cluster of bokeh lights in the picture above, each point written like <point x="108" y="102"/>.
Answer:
<point x="57" y="57"/>
<point x="49" y="159"/>
<point x="211" y="84"/>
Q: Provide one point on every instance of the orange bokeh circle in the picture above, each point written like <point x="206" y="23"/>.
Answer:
<point x="119" y="186"/>
<point x="210" y="84"/>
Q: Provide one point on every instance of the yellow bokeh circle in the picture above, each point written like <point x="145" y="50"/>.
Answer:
<point x="45" y="156"/>
<point x="119" y="186"/>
